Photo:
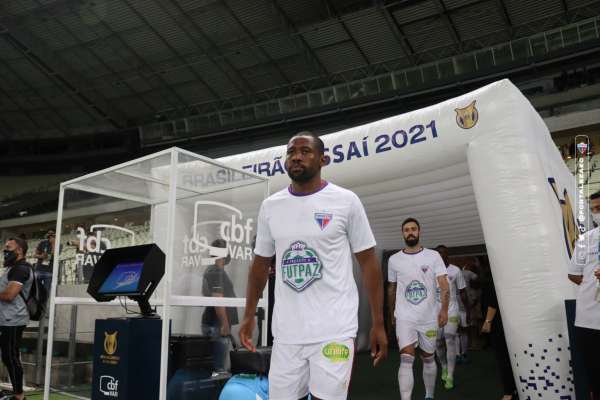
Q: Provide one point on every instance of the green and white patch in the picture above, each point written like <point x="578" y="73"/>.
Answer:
<point x="336" y="352"/>
<point x="300" y="266"/>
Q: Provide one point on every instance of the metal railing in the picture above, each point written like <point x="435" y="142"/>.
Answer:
<point x="406" y="80"/>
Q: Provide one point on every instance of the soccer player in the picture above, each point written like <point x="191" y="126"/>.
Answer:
<point x="414" y="273"/>
<point x="584" y="270"/>
<point x="313" y="227"/>
<point x="447" y="343"/>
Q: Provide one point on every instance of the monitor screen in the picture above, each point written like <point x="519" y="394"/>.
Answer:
<point x="124" y="278"/>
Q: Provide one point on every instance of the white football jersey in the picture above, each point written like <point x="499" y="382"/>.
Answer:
<point x="416" y="279"/>
<point x="587" y="314"/>
<point x="313" y="237"/>
<point x="456" y="283"/>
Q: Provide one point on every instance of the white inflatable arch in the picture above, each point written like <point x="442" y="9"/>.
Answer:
<point x="480" y="168"/>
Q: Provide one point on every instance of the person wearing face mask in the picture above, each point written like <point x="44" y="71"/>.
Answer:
<point x="15" y="286"/>
<point x="584" y="270"/>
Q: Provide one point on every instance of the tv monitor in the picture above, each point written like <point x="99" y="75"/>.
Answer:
<point x="133" y="271"/>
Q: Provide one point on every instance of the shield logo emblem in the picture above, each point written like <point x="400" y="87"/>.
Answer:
<point x="110" y="343"/>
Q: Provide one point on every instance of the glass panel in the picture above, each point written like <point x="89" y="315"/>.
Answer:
<point x="446" y="69"/>
<point x="430" y="73"/>
<point x="502" y="54"/>
<point x="464" y="64"/>
<point x="328" y="96"/>
<point x="414" y="77"/>
<point x="287" y="105"/>
<point x="521" y="49"/>
<point x="341" y="93"/>
<point x="371" y="87"/>
<point x="554" y="41"/>
<point x="538" y="45"/>
<point x="315" y="99"/>
<point x="485" y="59"/>
<point x="301" y="102"/>
<point x="385" y="83"/>
<point x="570" y="36"/>
<point x="357" y="90"/>
<point x="400" y="78"/>
<point x="588" y="31"/>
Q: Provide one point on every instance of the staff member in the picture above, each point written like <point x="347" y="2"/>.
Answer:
<point x="15" y="286"/>
<point x="584" y="271"/>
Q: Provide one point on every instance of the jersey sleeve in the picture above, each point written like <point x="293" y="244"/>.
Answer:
<point x="438" y="265"/>
<point x="265" y="244"/>
<point x="18" y="273"/>
<point x="460" y="281"/>
<point x="392" y="276"/>
<point x="359" y="231"/>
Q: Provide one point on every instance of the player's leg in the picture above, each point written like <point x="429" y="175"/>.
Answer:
<point x="330" y="369"/>
<point x="462" y="342"/>
<point x="450" y="331"/>
<point x="289" y="372"/>
<point x="427" y="343"/>
<point x="407" y="339"/>
<point x="440" y="351"/>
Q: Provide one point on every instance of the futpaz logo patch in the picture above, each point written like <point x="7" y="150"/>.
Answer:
<point x="300" y="266"/>
<point x="215" y="220"/>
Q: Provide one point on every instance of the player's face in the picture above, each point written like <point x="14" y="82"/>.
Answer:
<point x="595" y="206"/>
<point x="303" y="160"/>
<point x="410" y="231"/>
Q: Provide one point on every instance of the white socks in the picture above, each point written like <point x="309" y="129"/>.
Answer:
<point x="429" y="375"/>
<point x="451" y="354"/>
<point x="406" y="379"/>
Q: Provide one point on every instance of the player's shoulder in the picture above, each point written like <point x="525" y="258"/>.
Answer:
<point x="341" y="193"/>
<point x="431" y="253"/>
<point x="276" y="197"/>
<point x="454" y="269"/>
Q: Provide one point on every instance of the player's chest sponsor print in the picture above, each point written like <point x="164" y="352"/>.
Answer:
<point x="415" y="292"/>
<point x="300" y="266"/>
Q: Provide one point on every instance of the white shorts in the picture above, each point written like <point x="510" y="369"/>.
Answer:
<point x="420" y="335"/>
<point x="463" y="319"/>
<point x="322" y="369"/>
<point x="451" y="327"/>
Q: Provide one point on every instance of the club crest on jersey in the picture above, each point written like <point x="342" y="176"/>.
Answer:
<point x="323" y="219"/>
<point x="424" y="268"/>
<point x="415" y="292"/>
<point x="300" y="266"/>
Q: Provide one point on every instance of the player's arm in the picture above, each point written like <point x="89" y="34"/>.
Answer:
<point x="489" y="317"/>
<point x="465" y="300"/>
<point x="257" y="280"/>
<point x="391" y="293"/>
<point x="373" y="282"/>
<point x="576" y="279"/>
<point x="445" y="299"/>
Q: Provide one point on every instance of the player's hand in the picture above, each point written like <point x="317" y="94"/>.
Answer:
<point x="379" y="344"/>
<point x="225" y="330"/>
<point x="486" y="327"/>
<point x="597" y="274"/>
<point x="442" y="318"/>
<point x="246" y="333"/>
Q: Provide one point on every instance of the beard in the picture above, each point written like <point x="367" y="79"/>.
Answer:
<point x="411" y="241"/>
<point x="304" y="175"/>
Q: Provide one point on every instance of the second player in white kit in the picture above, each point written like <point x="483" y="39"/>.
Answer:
<point x="414" y="274"/>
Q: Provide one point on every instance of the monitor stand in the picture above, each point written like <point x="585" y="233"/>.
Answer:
<point x="145" y="309"/>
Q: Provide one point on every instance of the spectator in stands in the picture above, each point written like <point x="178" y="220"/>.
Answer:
<point x="45" y="259"/>
<point x="217" y="321"/>
<point x="15" y="286"/>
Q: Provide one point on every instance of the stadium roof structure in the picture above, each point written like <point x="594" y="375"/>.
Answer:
<point x="74" y="66"/>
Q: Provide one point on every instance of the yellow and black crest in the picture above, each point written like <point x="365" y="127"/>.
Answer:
<point x="570" y="227"/>
<point x="468" y="116"/>
<point x="110" y="343"/>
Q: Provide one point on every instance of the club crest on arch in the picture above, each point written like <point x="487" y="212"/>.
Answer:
<point x="467" y="117"/>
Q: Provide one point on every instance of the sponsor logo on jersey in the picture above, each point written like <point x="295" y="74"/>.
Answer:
<point x="300" y="266"/>
<point x="415" y="292"/>
<point x="323" y="219"/>
<point x="432" y="333"/>
<point x="336" y="352"/>
<point x="468" y="116"/>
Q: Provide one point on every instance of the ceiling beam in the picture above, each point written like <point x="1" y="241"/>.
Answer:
<point x="333" y="12"/>
<point x="256" y="43"/>
<point x="445" y="15"/>
<point x="290" y="28"/>
<point x="505" y="16"/>
<point x="397" y="31"/>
